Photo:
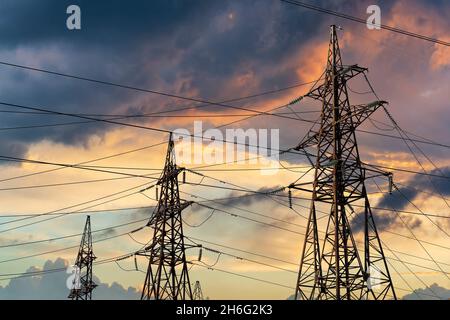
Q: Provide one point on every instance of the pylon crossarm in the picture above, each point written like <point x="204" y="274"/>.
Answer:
<point x="170" y="175"/>
<point x="354" y="118"/>
<point x="375" y="172"/>
<point x="298" y="186"/>
<point x="361" y="113"/>
<point x="161" y="209"/>
<point x="343" y="74"/>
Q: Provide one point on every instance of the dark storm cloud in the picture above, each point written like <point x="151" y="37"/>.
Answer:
<point x="237" y="199"/>
<point x="13" y="149"/>
<point x="143" y="213"/>
<point x="186" y="47"/>
<point x="150" y="44"/>
<point x="400" y="199"/>
<point x="384" y="221"/>
<point x="107" y="233"/>
<point x="439" y="186"/>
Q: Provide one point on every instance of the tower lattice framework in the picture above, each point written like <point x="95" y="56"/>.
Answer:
<point x="198" y="293"/>
<point x="83" y="285"/>
<point x="167" y="273"/>
<point x="332" y="266"/>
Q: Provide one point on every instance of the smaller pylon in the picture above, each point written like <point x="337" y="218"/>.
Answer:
<point x="83" y="285"/>
<point x="198" y="294"/>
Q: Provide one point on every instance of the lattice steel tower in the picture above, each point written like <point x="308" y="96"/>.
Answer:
<point x="167" y="274"/>
<point x="198" y="293"/>
<point x="336" y="270"/>
<point x="83" y="284"/>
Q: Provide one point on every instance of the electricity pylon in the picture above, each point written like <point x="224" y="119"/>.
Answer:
<point x="336" y="271"/>
<point x="198" y="293"/>
<point x="83" y="285"/>
<point x="167" y="273"/>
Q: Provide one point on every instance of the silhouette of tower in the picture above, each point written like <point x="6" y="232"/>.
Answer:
<point x="198" y="293"/>
<point x="336" y="270"/>
<point x="167" y="273"/>
<point x="83" y="284"/>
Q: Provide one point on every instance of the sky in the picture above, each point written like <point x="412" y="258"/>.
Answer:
<point x="214" y="51"/>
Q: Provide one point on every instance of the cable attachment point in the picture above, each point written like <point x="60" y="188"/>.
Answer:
<point x="391" y="182"/>
<point x="200" y="253"/>
<point x="290" y="199"/>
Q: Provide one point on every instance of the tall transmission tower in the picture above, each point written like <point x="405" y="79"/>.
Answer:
<point x="198" y="293"/>
<point x="336" y="270"/>
<point x="83" y="284"/>
<point x="167" y="273"/>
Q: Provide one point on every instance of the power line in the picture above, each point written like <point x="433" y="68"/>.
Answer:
<point x="143" y="148"/>
<point x="61" y="249"/>
<point x="243" y="276"/>
<point x="86" y="162"/>
<point x="301" y="233"/>
<point x="17" y="159"/>
<point x="169" y="95"/>
<point x="123" y="86"/>
<point x="273" y="193"/>
<point x="423" y="141"/>
<point x="70" y="207"/>
<point x="291" y="223"/>
<point x="426" y="242"/>
<point x="294" y="224"/>
<point x="264" y="256"/>
<point x="240" y="250"/>
<point x="399" y="138"/>
<point x="145" y="219"/>
<point x="78" y="212"/>
<point x="133" y="176"/>
<point x="62" y="184"/>
<point x="409" y="171"/>
<point x="19" y="244"/>
<point x="276" y="192"/>
<point x="419" y="242"/>
<point x="48" y="271"/>
<point x="364" y="21"/>
<point x="137" y="126"/>
<point x="149" y="128"/>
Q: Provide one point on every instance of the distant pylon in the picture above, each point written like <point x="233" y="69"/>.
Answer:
<point x="83" y="284"/>
<point x="335" y="270"/>
<point x="198" y="294"/>
<point x="167" y="273"/>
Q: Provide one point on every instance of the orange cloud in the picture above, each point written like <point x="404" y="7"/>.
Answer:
<point x="312" y="61"/>
<point x="417" y="18"/>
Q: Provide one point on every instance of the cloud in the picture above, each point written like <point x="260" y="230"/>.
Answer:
<point x="236" y="199"/>
<point x="429" y="293"/>
<point x="52" y="286"/>
<point x="210" y="51"/>
<point x="400" y="200"/>
<point x="384" y="221"/>
<point x="175" y="48"/>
